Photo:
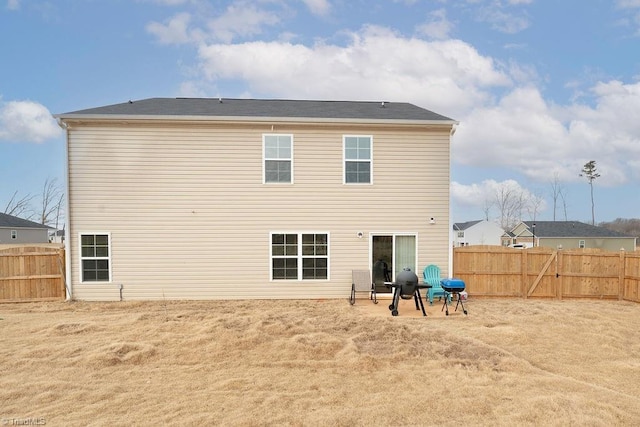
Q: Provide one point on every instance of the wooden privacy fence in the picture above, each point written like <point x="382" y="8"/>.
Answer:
<point x="32" y="273"/>
<point x="548" y="273"/>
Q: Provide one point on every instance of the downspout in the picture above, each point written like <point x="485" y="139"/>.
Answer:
<point x="69" y="287"/>
<point x="449" y="229"/>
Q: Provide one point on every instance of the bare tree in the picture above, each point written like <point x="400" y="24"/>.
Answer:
<point x="557" y="191"/>
<point x="589" y="172"/>
<point x="20" y="207"/>
<point x="626" y="226"/>
<point x="486" y="208"/>
<point x="564" y="205"/>
<point x="510" y="202"/>
<point x="533" y="205"/>
<point x="47" y="210"/>
<point x="52" y="199"/>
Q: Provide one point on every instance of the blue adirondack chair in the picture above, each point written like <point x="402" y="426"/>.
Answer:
<point x="431" y="275"/>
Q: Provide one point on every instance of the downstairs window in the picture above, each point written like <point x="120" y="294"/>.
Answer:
<point x="95" y="258"/>
<point x="299" y="256"/>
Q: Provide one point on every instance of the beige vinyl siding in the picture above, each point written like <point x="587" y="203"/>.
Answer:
<point x="190" y="217"/>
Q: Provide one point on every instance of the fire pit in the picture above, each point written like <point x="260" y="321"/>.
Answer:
<point x="453" y="287"/>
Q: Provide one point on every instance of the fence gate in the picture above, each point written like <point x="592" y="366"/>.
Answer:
<point x="543" y="271"/>
<point x="32" y="273"/>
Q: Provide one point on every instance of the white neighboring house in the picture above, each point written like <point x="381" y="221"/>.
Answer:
<point x="56" y="236"/>
<point x="480" y="232"/>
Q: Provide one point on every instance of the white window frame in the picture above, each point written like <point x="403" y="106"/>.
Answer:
<point x="265" y="158"/>
<point x="82" y="258"/>
<point x="582" y="244"/>
<point x="299" y="256"/>
<point x="14" y="234"/>
<point x="394" y="267"/>
<point x="345" y="160"/>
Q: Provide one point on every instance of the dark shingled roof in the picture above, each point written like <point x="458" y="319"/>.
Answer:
<point x="226" y="107"/>
<point x="10" y="221"/>
<point x="460" y="226"/>
<point x="570" y="229"/>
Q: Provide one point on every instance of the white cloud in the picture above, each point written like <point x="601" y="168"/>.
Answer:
<point x="482" y="195"/>
<point x="508" y="16"/>
<point x="438" y="26"/>
<point x="175" y="31"/>
<point x="503" y="21"/>
<point x="318" y="7"/>
<point x="450" y="77"/>
<point x="26" y="121"/>
<point x="13" y="4"/>
<point x="524" y="133"/>
<point x="628" y="4"/>
<point x="518" y="2"/>
<point x="516" y="132"/>
<point x="241" y="19"/>
<point x="470" y="195"/>
<point x="191" y="89"/>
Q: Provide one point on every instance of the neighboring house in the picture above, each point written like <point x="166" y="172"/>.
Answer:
<point x="56" y="236"/>
<point x="570" y="235"/>
<point x="480" y="232"/>
<point x="241" y="198"/>
<point x="18" y="230"/>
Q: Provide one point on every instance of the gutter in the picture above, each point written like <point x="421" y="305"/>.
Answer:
<point x="63" y="118"/>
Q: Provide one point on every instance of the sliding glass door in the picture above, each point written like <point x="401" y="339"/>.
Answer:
<point x="397" y="251"/>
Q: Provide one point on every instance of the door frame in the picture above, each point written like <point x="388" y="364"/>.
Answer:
<point x="394" y="235"/>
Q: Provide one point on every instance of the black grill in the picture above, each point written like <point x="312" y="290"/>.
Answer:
<point x="407" y="283"/>
<point x="406" y="287"/>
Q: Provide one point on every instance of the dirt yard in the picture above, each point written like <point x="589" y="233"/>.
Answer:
<point x="320" y="363"/>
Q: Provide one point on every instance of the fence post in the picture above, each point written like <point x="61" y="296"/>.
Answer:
<point x="621" y="274"/>
<point x="523" y="274"/>
<point x="559" y="276"/>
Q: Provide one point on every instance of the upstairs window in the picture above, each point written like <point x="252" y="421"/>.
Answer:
<point x="14" y="234"/>
<point x="357" y="159"/>
<point x="95" y="257"/>
<point x="278" y="158"/>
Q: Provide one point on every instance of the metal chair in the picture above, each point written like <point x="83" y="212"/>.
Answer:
<point x="361" y="282"/>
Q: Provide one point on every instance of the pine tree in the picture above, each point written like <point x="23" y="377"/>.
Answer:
<point x="589" y="172"/>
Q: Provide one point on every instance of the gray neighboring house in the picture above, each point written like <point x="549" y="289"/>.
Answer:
<point x="571" y="235"/>
<point x="19" y="230"/>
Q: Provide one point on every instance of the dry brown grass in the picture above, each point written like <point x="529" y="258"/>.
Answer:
<point x="510" y="362"/>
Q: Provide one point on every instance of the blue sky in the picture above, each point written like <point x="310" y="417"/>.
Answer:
<point x="539" y="87"/>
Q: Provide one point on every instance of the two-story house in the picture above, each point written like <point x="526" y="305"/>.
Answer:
<point x="479" y="232"/>
<point x="243" y="198"/>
